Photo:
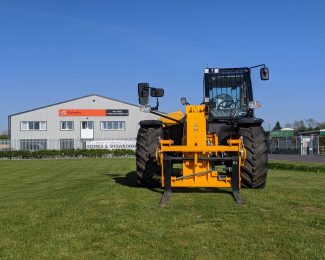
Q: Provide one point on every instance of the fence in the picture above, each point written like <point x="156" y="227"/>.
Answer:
<point x="275" y="145"/>
<point x="304" y="145"/>
<point x="322" y="150"/>
<point x="67" y="144"/>
<point x="285" y="145"/>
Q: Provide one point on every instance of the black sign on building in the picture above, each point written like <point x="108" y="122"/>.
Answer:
<point x="117" y="112"/>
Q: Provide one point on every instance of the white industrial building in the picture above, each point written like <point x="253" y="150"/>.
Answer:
<point x="92" y="121"/>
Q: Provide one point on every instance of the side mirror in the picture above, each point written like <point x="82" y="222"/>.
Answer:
<point x="143" y="93"/>
<point x="156" y="92"/>
<point x="183" y="101"/>
<point x="264" y="73"/>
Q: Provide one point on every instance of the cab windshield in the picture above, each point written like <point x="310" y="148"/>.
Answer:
<point x="228" y="97"/>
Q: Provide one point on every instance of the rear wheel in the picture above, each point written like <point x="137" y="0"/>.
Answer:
<point x="254" y="172"/>
<point x="148" y="170"/>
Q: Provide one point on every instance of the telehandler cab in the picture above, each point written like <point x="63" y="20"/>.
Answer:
<point x="217" y="144"/>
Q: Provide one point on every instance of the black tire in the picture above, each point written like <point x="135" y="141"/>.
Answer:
<point x="148" y="170"/>
<point x="254" y="172"/>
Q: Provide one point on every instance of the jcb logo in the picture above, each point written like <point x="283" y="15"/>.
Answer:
<point x="195" y="127"/>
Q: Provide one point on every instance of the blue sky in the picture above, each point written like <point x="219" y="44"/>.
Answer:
<point x="52" y="51"/>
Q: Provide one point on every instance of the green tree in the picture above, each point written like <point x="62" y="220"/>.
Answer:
<point x="4" y="135"/>
<point x="277" y="126"/>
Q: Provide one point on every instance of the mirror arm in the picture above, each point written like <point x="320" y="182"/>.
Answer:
<point x="157" y="105"/>
<point x="162" y="115"/>
<point x="256" y="66"/>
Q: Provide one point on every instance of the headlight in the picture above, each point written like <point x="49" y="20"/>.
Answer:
<point x="254" y="104"/>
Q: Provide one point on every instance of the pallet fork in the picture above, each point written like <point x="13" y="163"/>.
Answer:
<point x="168" y="169"/>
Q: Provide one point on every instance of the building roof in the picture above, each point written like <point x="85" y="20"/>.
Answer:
<point x="287" y="129"/>
<point x="58" y="103"/>
<point x="283" y="133"/>
<point x="320" y="132"/>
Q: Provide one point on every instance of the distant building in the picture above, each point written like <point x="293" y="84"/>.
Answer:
<point x="312" y="142"/>
<point x="285" y="141"/>
<point x="92" y="121"/>
<point x="282" y="133"/>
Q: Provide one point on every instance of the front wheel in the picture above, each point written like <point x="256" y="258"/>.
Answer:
<point x="148" y="169"/>
<point x="254" y="172"/>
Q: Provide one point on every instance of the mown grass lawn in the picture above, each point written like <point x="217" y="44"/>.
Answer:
<point x="93" y="208"/>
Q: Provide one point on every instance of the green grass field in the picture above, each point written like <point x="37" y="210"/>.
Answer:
<point x="93" y="208"/>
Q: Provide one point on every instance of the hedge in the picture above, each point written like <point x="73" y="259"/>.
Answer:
<point x="49" y="154"/>
<point x="64" y="154"/>
<point x="297" y="166"/>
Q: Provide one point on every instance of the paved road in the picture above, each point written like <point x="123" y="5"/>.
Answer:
<point x="298" y="158"/>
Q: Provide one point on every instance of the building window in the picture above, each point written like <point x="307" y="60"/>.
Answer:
<point x="33" y="144"/>
<point x="66" y="125"/>
<point x="33" y="125"/>
<point x="112" y="125"/>
<point x="66" y="144"/>
<point x="87" y="125"/>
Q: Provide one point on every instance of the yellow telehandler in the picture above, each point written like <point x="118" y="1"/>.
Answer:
<point x="218" y="143"/>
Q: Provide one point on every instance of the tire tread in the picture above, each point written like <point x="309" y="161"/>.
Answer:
<point x="254" y="172"/>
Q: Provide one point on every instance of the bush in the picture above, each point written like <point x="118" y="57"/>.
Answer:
<point x="41" y="154"/>
<point x="4" y="137"/>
